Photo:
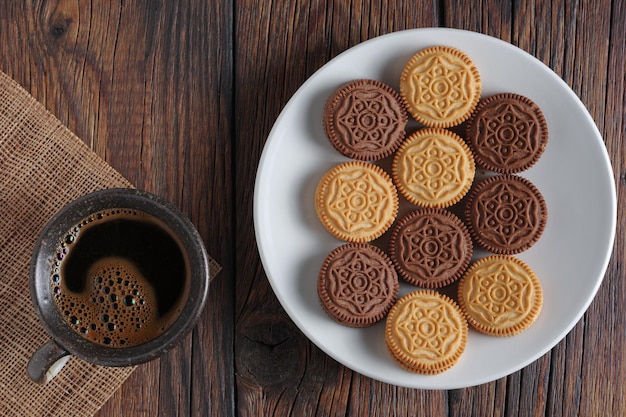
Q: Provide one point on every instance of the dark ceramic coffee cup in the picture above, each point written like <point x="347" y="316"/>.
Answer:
<point x="69" y="322"/>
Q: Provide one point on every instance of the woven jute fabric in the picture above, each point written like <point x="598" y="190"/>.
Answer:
<point x="43" y="166"/>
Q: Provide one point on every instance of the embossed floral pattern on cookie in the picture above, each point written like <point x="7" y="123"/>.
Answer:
<point x="357" y="284"/>
<point x="440" y="86"/>
<point x="356" y="201"/>
<point x="430" y="248"/>
<point x="365" y="120"/>
<point x="433" y="168"/>
<point x="426" y="332"/>
<point x="506" y="214"/>
<point x="500" y="295"/>
<point x="507" y="133"/>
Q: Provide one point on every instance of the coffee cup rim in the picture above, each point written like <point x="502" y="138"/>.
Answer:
<point x="42" y="265"/>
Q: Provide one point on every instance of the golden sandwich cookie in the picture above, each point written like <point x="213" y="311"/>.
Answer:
<point x="500" y="295"/>
<point x="426" y="332"/>
<point x="433" y="168"/>
<point x="440" y="86"/>
<point x="356" y="201"/>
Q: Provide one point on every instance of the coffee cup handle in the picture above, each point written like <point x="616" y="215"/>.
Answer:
<point x="46" y="362"/>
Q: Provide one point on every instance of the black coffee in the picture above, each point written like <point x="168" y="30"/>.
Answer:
<point x="121" y="278"/>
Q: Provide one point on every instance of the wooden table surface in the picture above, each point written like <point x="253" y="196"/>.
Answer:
<point x="179" y="96"/>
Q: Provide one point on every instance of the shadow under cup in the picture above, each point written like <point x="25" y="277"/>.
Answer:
<point x="118" y="277"/>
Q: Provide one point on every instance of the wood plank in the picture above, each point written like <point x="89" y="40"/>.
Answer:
<point x="269" y="380"/>
<point x="615" y="135"/>
<point x="142" y="83"/>
<point x="589" y="72"/>
<point x="190" y="167"/>
<point x="604" y="354"/>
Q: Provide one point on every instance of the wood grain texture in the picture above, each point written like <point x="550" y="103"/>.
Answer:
<point x="180" y="97"/>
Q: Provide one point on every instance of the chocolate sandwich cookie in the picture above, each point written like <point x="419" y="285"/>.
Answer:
<point x="365" y="120"/>
<point x="507" y="133"/>
<point x="430" y="248"/>
<point x="440" y="86"/>
<point x="500" y="295"/>
<point x="357" y="284"/>
<point x="426" y="332"/>
<point x="506" y="214"/>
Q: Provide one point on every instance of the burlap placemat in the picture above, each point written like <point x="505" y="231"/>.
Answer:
<point x="43" y="166"/>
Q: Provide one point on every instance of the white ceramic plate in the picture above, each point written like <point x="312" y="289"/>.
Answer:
<point x="574" y="175"/>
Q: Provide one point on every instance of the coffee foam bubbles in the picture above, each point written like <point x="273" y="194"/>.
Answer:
<point x="117" y="307"/>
